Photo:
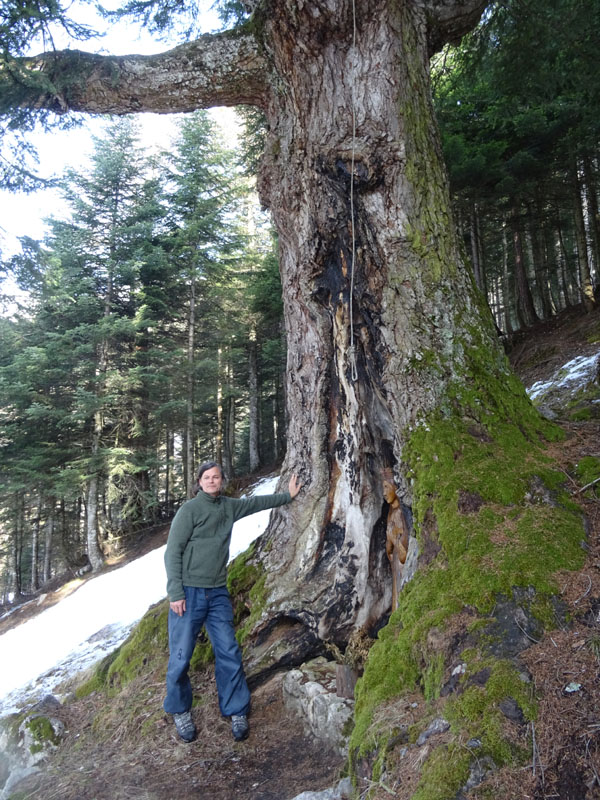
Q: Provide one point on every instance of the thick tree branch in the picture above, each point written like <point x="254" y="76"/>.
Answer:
<point x="449" y="20"/>
<point x="216" y="69"/>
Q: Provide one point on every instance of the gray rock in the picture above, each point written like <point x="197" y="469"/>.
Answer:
<point x="39" y="735"/>
<point x="573" y="387"/>
<point x="474" y="744"/>
<point x="512" y="710"/>
<point x="480" y="769"/>
<point x="310" y="693"/>
<point x="16" y="780"/>
<point x="47" y="704"/>
<point x="343" y="791"/>
<point x="438" y="725"/>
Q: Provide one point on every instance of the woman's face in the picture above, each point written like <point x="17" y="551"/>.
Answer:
<point x="211" y="481"/>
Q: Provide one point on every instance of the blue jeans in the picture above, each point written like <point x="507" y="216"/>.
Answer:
<point x="212" y="608"/>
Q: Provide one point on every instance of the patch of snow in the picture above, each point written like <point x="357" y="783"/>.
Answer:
<point x="573" y="374"/>
<point x="95" y="619"/>
<point x="246" y="530"/>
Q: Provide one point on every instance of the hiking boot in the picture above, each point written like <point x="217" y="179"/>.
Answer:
<point x="239" y="727"/>
<point x="185" y="726"/>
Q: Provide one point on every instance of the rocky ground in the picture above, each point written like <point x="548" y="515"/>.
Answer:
<point x="125" y="747"/>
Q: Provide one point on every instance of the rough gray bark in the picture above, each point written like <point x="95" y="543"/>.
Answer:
<point x="351" y="148"/>
<point x="410" y="291"/>
<point x="223" y="69"/>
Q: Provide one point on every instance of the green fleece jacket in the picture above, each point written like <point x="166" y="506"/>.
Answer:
<point x="198" y="545"/>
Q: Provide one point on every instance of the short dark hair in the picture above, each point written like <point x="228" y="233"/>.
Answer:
<point x="204" y="468"/>
<point x="208" y="465"/>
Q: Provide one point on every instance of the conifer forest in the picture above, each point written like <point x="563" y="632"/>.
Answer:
<point x="150" y="334"/>
<point x="150" y="337"/>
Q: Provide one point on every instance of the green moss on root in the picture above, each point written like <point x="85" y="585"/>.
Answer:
<point x="518" y="531"/>
<point x="246" y="582"/>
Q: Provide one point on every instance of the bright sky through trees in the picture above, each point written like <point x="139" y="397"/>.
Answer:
<point x="23" y="214"/>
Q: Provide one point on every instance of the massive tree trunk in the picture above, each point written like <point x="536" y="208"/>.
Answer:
<point x="411" y="296"/>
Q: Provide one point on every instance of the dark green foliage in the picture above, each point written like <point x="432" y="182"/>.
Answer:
<point x="25" y="23"/>
<point x="518" y="108"/>
<point x="253" y="140"/>
<point x="165" y="17"/>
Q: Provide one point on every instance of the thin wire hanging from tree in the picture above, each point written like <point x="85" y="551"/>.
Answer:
<point x="352" y="349"/>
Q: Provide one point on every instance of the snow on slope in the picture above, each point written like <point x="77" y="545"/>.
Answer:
<point x="84" y="627"/>
<point x="570" y="377"/>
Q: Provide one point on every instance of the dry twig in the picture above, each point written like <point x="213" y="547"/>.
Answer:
<point x="587" y="486"/>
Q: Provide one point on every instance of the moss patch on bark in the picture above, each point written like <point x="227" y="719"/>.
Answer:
<point x="246" y="581"/>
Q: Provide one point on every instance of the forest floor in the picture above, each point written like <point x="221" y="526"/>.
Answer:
<point x="127" y="748"/>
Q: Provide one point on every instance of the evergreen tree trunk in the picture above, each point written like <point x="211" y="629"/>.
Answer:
<point x="585" y="276"/>
<point x="228" y="416"/>
<point x="94" y="553"/>
<point x="48" y="538"/>
<point x="525" y="306"/>
<point x="228" y="436"/>
<point x="253" y="404"/>
<point x="16" y="548"/>
<point x="190" y="481"/>
<point x="343" y="433"/>
<point x="220" y="416"/>
<point x="169" y="452"/>
<point x="35" y="546"/>
<point x="540" y="263"/>
<point x="564" y="269"/>
<point x="506" y="284"/>
<point x="477" y="252"/>
<point x="553" y="269"/>
<point x="594" y="212"/>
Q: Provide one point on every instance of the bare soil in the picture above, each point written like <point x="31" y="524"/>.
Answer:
<point x="127" y="748"/>
<point x="135" y="753"/>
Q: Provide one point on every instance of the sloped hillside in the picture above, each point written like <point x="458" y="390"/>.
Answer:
<point x="119" y="743"/>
